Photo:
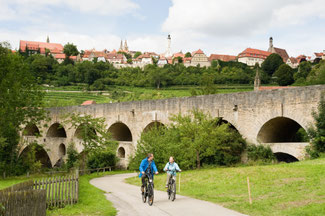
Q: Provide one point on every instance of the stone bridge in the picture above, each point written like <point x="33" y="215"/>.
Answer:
<point x="270" y="117"/>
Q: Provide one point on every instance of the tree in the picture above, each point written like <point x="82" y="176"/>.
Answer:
<point x="21" y="102"/>
<point x="272" y="63"/>
<point x="303" y="71"/>
<point x="193" y="139"/>
<point x="158" y="76"/>
<point x="137" y="54"/>
<point x="284" y="75"/>
<point x="317" y="132"/>
<point x="69" y="50"/>
<point x="188" y="54"/>
<point x="93" y="133"/>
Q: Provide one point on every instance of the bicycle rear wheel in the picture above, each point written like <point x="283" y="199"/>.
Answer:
<point x="150" y="194"/>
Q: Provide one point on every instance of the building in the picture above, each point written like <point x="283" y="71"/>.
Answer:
<point x="282" y="52"/>
<point x="60" y="58"/>
<point x="162" y="61"/>
<point x="124" y="47"/>
<point x="199" y="58"/>
<point x="225" y="58"/>
<point x="92" y="54"/>
<point x="115" y="58"/>
<point x="34" y="47"/>
<point x="292" y="62"/>
<point x="253" y="56"/>
<point x="178" y="55"/>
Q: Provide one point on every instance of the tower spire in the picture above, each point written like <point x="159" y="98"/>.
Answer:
<point x="121" y="46"/>
<point x="168" y="51"/>
<point x="47" y="39"/>
<point x="126" y="48"/>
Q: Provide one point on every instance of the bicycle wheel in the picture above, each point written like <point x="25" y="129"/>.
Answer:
<point x="173" y="191"/>
<point x="169" y="189"/>
<point x="144" y="194"/>
<point x="150" y="194"/>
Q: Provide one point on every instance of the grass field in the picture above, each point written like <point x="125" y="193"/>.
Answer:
<point x="65" y="97"/>
<point x="92" y="200"/>
<point x="284" y="189"/>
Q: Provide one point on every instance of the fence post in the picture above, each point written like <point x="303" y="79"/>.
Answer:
<point x="249" y="191"/>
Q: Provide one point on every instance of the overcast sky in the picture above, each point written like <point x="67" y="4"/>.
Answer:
<point x="215" y="26"/>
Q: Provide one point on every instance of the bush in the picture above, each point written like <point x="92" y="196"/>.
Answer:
<point x="73" y="157"/>
<point x="193" y="140"/>
<point x="99" y="159"/>
<point x="260" y="153"/>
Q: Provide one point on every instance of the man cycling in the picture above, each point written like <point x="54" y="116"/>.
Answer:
<point x="147" y="166"/>
<point x="171" y="168"/>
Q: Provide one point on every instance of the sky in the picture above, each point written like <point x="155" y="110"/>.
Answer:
<point x="215" y="26"/>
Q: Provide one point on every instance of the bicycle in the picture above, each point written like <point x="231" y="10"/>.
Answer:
<point x="148" y="190"/>
<point x="171" y="191"/>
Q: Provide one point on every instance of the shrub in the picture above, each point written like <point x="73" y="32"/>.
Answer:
<point x="99" y="159"/>
<point x="73" y="156"/>
<point x="260" y="153"/>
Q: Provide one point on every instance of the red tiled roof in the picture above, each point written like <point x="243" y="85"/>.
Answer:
<point x="179" y="54"/>
<point x="112" y="55"/>
<point x="60" y="56"/>
<point x="54" y="48"/>
<point x="255" y="53"/>
<point x="89" y="102"/>
<point x="301" y="57"/>
<point x="293" y="60"/>
<point x="283" y="53"/>
<point x="319" y="55"/>
<point x="225" y="58"/>
<point x="187" y="59"/>
<point x="199" y="51"/>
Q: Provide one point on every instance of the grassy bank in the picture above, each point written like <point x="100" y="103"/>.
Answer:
<point x="124" y="93"/>
<point x="92" y="200"/>
<point x="283" y="189"/>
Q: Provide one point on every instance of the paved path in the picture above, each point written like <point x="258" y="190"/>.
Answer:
<point x="127" y="200"/>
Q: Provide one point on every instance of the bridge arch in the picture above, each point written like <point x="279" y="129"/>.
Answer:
<point x="121" y="152"/>
<point x="280" y="130"/>
<point x="40" y="154"/>
<point x="285" y="157"/>
<point x="31" y="130"/>
<point x="151" y="125"/>
<point x="84" y="130"/>
<point x="56" y="130"/>
<point x="120" y="132"/>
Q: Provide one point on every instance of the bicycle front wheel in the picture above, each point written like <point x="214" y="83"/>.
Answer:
<point x="150" y="194"/>
<point x="173" y="191"/>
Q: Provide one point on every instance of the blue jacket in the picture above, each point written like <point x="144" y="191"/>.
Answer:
<point x="172" y="168"/>
<point x="144" y="165"/>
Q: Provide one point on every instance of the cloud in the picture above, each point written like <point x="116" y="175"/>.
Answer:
<point x="237" y="17"/>
<point x="18" y="9"/>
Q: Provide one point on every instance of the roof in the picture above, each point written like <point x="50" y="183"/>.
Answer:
<point x="188" y="59"/>
<point x="282" y="52"/>
<point x="301" y="57"/>
<point x="293" y="60"/>
<point x="60" y="56"/>
<point x="54" y="48"/>
<point x="199" y="51"/>
<point x="256" y="53"/>
<point x="179" y="54"/>
<point x="89" y="102"/>
<point x="112" y="55"/>
<point x="225" y="58"/>
<point x="319" y="55"/>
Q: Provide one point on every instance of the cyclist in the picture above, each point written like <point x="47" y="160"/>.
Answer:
<point x="147" y="166"/>
<point x="171" y="168"/>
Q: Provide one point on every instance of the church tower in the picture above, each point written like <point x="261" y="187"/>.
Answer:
<point x="126" y="48"/>
<point x="271" y="48"/>
<point x="121" y="46"/>
<point x="47" y="39"/>
<point x="168" y="51"/>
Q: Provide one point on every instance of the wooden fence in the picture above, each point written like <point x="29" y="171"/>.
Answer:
<point x="60" y="191"/>
<point x="33" y="197"/>
<point x="22" y="200"/>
